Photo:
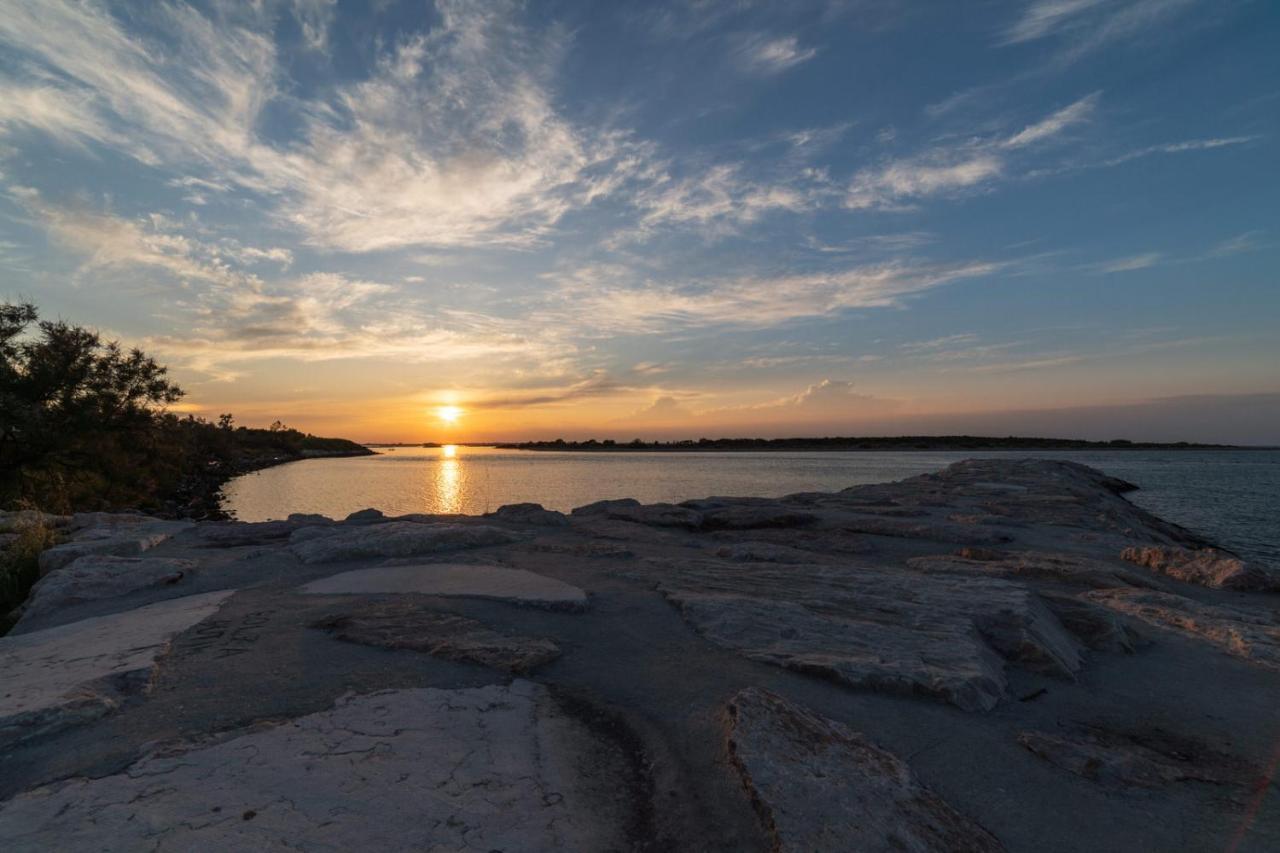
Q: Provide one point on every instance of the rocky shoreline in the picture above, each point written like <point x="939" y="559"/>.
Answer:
<point x="1005" y="655"/>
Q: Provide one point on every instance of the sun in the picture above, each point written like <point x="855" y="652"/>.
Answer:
<point x="448" y="414"/>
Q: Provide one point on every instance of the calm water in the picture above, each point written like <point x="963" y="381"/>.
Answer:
<point x="1231" y="496"/>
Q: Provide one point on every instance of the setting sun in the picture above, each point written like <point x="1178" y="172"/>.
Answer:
<point x="448" y="414"/>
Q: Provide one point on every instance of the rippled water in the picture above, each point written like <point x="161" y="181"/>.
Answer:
<point x="1233" y="497"/>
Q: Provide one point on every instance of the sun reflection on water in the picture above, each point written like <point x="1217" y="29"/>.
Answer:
<point x="449" y="481"/>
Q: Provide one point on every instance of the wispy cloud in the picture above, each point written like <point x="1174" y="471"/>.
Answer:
<point x="762" y="53"/>
<point x="752" y="302"/>
<point x="1082" y="26"/>
<point x="961" y="167"/>
<point x="1128" y="264"/>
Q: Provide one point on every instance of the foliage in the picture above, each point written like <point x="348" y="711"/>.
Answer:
<point x="84" y="426"/>
<point x="19" y="563"/>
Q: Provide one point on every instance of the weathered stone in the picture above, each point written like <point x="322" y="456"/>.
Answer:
<point x="233" y="534"/>
<point x="468" y="580"/>
<point x="819" y="786"/>
<point x="893" y="631"/>
<point x="1206" y="567"/>
<point x="490" y="768"/>
<point x="929" y="531"/>
<point x="750" y="517"/>
<point x="94" y="577"/>
<point x="1253" y="635"/>
<point x="763" y="552"/>
<point x="1147" y="759"/>
<point x="583" y="549"/>
<point x="402" y="625"/>
<point x="391" y="539"/>
<point x="1067" y="568"/>
<point x="61" y="676"/>
<point x="127" y="538"/>
<point x="824" y="544"/>
<point x="365" y="516"/>
<point x="532" y="514"/>
<point x="654" y="515"/>
<point x="1099" y="628"/>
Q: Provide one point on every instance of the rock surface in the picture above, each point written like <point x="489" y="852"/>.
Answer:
<point x="1148" y="759"/>
<point x="820" y="786"/>
<point x="1205" y="566"/>
<point x="232" y="722"/>
<point x="473" y="580"/>
<point x="398" y="625"/>
<point x="107" y="535"/>
<point x="72" y="673"/>
<point x="490" y="768"/>
<point x="889" y="631"/>
<point x="94" y="577"/>
<point x="1253" y="635"/>
<point x="391" y="539"/>
<point x="1067" y="568"/>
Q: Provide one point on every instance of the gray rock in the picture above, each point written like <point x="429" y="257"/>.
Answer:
<point x="528" y="513"/>
<point x="467" y="580"/>
<point x="1097" y="627"/>
<point x="490" y="768"/>
<point x="1067" y="568"/>
<point x="819" y="786"/>
<point x="402" y="625"/>
<point x="763" y="552"/>
<point x="1206" y="567"/>
<point x="365" y="516"/>
<point x="653" y="515"/>
<point x="892" y="631"/>
<point x="750" y="517"/>
<point x="120" y="536"/>
<point x="1147" y="759"/>
<point x="92" y="578"/>
<point x="1253" y="635"/>
<point x="234" y="534"/>
<point x="929" y="531"/>
<point x="391" y="539"/>
<point x="62" y="676"/>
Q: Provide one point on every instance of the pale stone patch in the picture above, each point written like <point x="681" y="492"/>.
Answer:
<point x="60" y="676"/>
<point x="821" y="787"/>
<point x="337" y="543"/>
<point x="489" y="768"/>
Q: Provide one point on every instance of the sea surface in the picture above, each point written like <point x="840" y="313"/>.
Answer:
<point x="1232" y="497"/>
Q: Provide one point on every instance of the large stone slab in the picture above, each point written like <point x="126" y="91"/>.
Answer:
<point x="468" y="580"/>
<point x="1251" y="634"/>
<point x="117" y="536"/>
<point x="96" y="577"/>
<point x="1065" y="568"/>
<point x="331" y="544"/>
<point x="404" y="625"/>
<point x="490" y="768"/>
<point x="61" y="676"/>
<point x="894" y="631"/>
<point x="1150" y="758"/>
<point x="819" y="786"/>
<point x="652" y="515"/>
<point x="1204" y="566"/>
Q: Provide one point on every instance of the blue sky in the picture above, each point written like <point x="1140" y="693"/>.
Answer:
<point x="662" y="219"/>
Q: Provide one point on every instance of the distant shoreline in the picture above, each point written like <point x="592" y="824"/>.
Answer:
<point x="898" y="443"/>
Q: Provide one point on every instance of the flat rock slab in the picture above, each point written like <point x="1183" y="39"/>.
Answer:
<point x="819" y="786"/>
<point x="1149" y="759"/>
<point x="61" y="676"/>
<point x="1204" y="566"/>
<point x="332" y="544"/>
<point x="402" y="625"/>
<point x="892" y="631"/>
<point x="1066" y="568"/>
<point x="490" y="768"/>
<point x="97" y="577"/>
<point x="1252" y="634"/>
<point x="468" y="580"/>
<point x="126" y="536"/>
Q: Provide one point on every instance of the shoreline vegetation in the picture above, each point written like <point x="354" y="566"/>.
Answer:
<point x="905" y="442"/>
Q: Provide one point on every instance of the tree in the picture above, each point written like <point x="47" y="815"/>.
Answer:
<point x="69" y="400"/>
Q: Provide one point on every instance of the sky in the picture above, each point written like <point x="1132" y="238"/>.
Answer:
<point x="407" y="221"/>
